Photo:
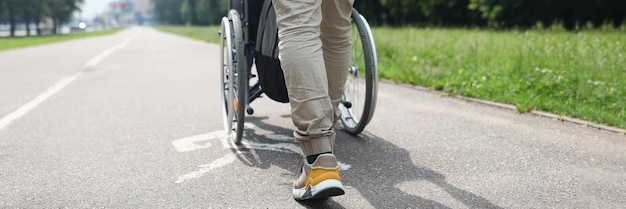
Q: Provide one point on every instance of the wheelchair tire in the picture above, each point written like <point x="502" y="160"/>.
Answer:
<point x="234" y="76"/>
<point x="361" y="89"/>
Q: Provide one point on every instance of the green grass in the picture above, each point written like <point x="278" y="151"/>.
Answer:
<point x="25" y="41"/>
<point x="579" y="74"/>
<point x="576" y="74"/>
<point x="204" y="33"/>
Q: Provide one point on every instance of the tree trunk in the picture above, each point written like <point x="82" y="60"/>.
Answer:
<point x="55" y="25"/>
<point x="27" y="18"/>
<point x="378" y="6"/>
<point x="37" y="23"/>
<point x="12" y="21"/>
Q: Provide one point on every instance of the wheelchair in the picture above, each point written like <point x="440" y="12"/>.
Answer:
<point x="236" y="39"/>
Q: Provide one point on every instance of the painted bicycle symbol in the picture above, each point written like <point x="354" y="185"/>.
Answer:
<point x="285" y="144"/>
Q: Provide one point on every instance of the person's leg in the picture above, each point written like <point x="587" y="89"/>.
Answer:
<point x="336" y="31"/>
<point x="301" y="56"/>
<point x="300" y="52"/>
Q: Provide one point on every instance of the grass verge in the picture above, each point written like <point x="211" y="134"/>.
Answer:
<point x="7" y="43"/>
<point x="575" y="74"/>
<point x="578" y="74"/>
<point x="204" y="33"/>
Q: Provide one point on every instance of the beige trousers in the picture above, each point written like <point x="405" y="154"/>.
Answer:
<point x="314" y="45"/>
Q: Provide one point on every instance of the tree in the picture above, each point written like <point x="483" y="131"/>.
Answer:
<point x="12" y="8"/>
<point x="210" y="11"/>
<point x="450" y="12"/>
<point x="491" y="13"/>
<point x="3" y="16"/>
<point x="61" y="11"/>
<point x="33" y="11"/>
<point x="525" y="13"/>
<point x="186" y="13"/>
<point x="190" y="12"/>
<point x="167" y="11"/>
<point x="372" y="10"/>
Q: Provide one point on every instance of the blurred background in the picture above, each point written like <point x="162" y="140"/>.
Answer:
<point x="42" y="17"/>
<point x="28" y="17"/>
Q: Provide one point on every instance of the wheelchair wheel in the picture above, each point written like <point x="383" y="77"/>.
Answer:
<point x="234" y="78"/>
<point x="361" y="89"/>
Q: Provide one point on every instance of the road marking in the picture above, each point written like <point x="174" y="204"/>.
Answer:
<point x="21" y="111"/>
<point x="203" y="141"/>
<point x="55" y="88"/>
<point x="196" y="142"/>
<point x="221" y="162"/>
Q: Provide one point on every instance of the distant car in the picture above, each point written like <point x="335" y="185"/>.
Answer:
<point x="81" y="26"/>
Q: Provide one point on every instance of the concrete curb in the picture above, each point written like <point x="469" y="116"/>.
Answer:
<point x="511" y="107"/>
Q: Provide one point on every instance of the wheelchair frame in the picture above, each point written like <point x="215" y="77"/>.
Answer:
<point x="357" y="107"/>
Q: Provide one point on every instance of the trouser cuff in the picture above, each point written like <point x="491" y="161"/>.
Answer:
<point x="313" y="146"/>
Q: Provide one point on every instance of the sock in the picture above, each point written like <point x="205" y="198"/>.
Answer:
<point x="311" y="158"/>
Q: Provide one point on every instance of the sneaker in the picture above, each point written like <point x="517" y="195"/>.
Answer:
<point x="318" y="180"/>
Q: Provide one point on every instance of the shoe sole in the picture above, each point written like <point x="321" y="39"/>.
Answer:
<point x="324" y="189"/>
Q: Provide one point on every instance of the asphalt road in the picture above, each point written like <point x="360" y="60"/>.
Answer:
<point x="132" y="120"/>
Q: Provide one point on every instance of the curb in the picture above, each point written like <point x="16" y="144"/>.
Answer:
<point x="511" y="107"/>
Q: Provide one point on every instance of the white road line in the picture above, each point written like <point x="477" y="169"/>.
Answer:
<point x="24" y="109"/>
<point x="221" y="162"/>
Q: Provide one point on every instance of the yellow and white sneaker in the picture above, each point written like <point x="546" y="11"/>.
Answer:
<point x="318" y="180"/>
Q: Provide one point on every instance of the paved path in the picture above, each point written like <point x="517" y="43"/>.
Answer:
<point x="132" y="120"/>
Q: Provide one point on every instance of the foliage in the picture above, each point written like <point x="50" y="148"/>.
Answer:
<point x="61" y="10"/>
<point x="569" y="13"/>
<point x="186" y="14"/>
<point x="494" y="13"/>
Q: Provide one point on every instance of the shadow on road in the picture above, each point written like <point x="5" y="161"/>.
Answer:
<point x="377" y="167"/>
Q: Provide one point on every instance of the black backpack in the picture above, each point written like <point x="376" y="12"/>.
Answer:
<point x="271" y="75"/>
